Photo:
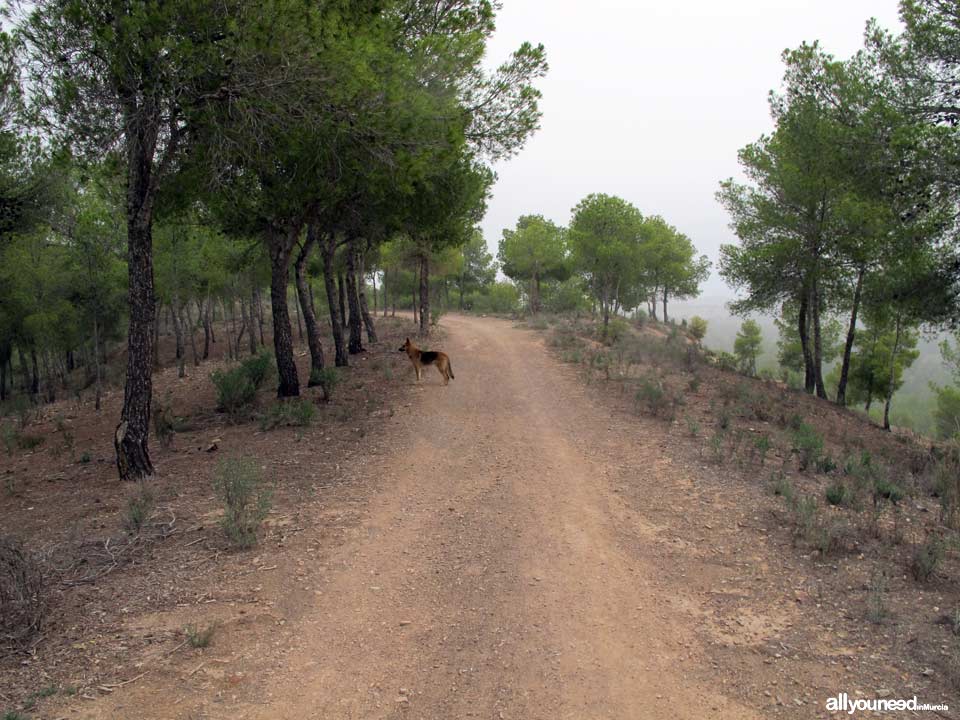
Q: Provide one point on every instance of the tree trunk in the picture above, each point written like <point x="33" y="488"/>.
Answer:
<point x="665" y="319"/>
<point x="207" y="330"/>
<point x="893" y="367"/>
<point x="96" y="361"/>
<point x="355" y="322"/>
<point x="425" y="294"/>
<point x="191" y="327"/>
<point x="306" y="305"/>
<point x="132" y="433"/>
<point x="848" y="345"/>
<point x="252" y="336"/>
<point x="809" y="379"/>
<point x="35" y="373"/>
<point x="329" y="247"/>
<point x="260" y="323"/>
<point x="416" y="313"/>
<point x="281" y="245"/>
<point x="364" y="310"/>
<point x="342" y="290"/>
<point x="817" y="342"/>
<point x="178" y="334"/>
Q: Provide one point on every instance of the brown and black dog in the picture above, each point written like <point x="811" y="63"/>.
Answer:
<point x="419" y="358"/>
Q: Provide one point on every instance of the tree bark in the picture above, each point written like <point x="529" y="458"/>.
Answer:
<point x="329" y="247"/>
<point x="809" y="380"/>
<point x="362" y="297"/>
<point x="207" y="334"/>
<point x="425" y="294"/>
<point x="893" y="367"/>
<point x="848" y="345"/>
<point x="355" y="323"/>
<point x="256" y="292"/>
<point x="306" y="305"/>
<point x="281" y="245"/>
<point x="817" y="342"/>
<point x="342" y="290"/>
<point x="665" y="319"/>
<point x="132" y="433"/>
<point x="178" y="334"/>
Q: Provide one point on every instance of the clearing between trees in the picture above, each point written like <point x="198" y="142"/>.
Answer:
<point x="520" y="544"/>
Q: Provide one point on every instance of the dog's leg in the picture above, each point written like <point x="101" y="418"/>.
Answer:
<point x="443" y="374"/>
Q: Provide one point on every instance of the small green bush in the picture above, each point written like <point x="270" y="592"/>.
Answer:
<point x="29" y="442"/>
<point x="780" y="485"/>
<point x="246" y="502"/>
<point x="876" y="602"/>
<point x="808" y="445"/>
<point x="762" y="445"/>
<point x="926" y="559"/>
<point x="296" y="412"/>
<point x="235" y="391"/>
<point x="327" y="379"/>
<point x="200" y="638"/>
<point x="258" y="368"/>
<point x="886" y="489"/>
<point x="163" y="423"/>
<point x="826" y="464"/>
<point x="837" y="493"/>
<point x="9" y="435"/>
<point x="137" y="511"/>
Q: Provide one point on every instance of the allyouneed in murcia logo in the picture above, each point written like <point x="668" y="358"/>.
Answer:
<point x="846" y="704"/>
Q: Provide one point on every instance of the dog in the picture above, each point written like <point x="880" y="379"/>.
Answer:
<point x="419" y="358"/>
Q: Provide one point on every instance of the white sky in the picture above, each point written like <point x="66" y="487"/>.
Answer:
<point x="651" y="101"/>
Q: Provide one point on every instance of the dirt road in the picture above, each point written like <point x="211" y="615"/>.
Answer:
<point x="499" y="572"/>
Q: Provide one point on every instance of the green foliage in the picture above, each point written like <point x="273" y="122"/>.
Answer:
<point x="200" y="637"/>
<point x="535" y="251"/>
<point x="258" y="369"/>
<point x="138" y="508"/>
<point x="927" y="558"/>
<point x="294" y="412"/>
<point x="235" y="391"/>
<point x="947" y="412"/>
<point x="837" y="493"/>
<point x="780" y="485"/>
<point x="239" y="486"/>
<point x="327" y="378"/>
<point x="762" y="445"/>
<point x="747" y="346"/>
<point x="876" y="599"/>
<point x="501" y="298"/>
<point x="808" y="445"/>
<point x="697" y="328"/>
<point x="658" y="400"/>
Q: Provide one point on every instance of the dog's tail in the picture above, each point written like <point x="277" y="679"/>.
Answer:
<point x="450" y="369"/>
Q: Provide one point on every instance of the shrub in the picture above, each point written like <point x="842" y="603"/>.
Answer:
<point x="837" y="493"/>
<point x="296" y="412"/>
<point x="876" y="604"/>
<point x="808" y="445"/>
<point x="138" y="508"/>
<point x="436" y="313"/>
<point x="781" y="485"/>
<point x="716" y="446"/>
<point x="258" y="368"/>
<point x="327" y="379"/>
<point x="235" y="391"/>
<point x="616" y="330"/>
<point x="885" y="489"/>
<point x="21" y="594"/>
<point x="200" y="638"/>
<point x="762" y="445"/>
<point x="9" y="435"/>
<point x="238" y="484"/>
<point x="693" y="427"/>
<point x="926" y="559"/>
<point x="164" y="425"/>
<point x="826" y="464"/>
<point x="29" y="442"/>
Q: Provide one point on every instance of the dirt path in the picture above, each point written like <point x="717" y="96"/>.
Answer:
<point x="499" y="573"/>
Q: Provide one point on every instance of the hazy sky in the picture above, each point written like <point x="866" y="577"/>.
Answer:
<point x="651" y="101"/>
